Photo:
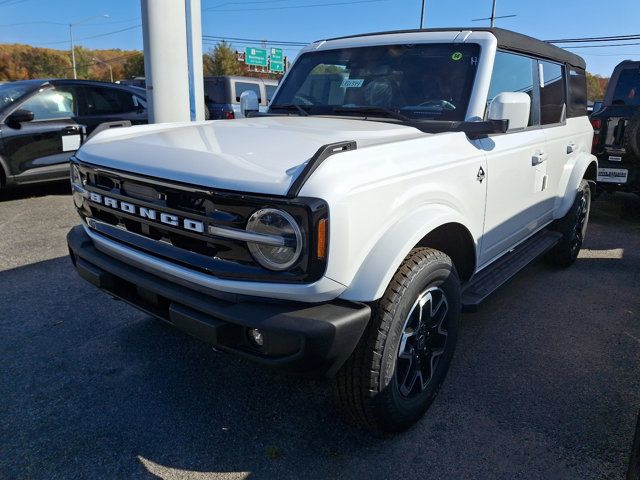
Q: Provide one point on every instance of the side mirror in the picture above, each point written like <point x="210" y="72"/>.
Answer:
<point x="19" y="116"/>
<point x="512" y="106"/>
<point x="248" y="102"/>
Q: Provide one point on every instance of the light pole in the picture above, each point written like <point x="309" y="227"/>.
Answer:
<point x="73" y="50"/>
<point x="97" y="60"/>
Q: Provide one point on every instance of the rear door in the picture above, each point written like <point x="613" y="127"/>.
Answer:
<point x="109" y="104"/>
<point x="41" y="148"/>
<point x="563" y="139"/>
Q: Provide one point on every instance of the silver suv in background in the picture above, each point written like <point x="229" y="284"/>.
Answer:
<point x="222" y="95"/>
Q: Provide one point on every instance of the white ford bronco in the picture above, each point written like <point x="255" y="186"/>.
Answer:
<point x="397" y="179"/>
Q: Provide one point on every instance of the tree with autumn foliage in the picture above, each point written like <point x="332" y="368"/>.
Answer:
<point x="596" y="86"/>
<point x="221" y="60"/>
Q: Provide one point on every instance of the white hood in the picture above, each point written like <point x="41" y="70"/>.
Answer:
<point x="258" y="155"/>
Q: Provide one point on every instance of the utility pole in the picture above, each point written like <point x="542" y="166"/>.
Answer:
<point x="493" y="16"/>
<point x="73" y="49"/>
<point x="422" y="14"/>
<point x="493" y="13"/>
<point x="73" y="52"/>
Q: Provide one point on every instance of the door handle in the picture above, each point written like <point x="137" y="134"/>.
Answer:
<point x="538" y="158"/>
<point x="70" y="129"/>
<point x="571" y="148"/>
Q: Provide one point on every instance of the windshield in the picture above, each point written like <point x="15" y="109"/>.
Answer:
<point x="627" y="90"/>
<point x="10" y="92"/>
<point x="418" y="81"/>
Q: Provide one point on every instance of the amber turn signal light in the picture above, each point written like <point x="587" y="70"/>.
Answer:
<point x="322" y="238"/>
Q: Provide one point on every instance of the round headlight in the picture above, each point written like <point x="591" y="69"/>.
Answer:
<point x="282" y="243"/>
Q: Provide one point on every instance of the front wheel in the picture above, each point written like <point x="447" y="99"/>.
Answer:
<point x="401" y="361"/>
<point x="573" y="227"/>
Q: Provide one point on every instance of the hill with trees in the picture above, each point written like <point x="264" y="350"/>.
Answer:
<point x="21" y="62"/>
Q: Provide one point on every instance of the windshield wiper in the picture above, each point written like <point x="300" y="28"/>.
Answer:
<point x="471" y="128"/>
<point x="291" y="107"/>
<point x="370" y="109"/>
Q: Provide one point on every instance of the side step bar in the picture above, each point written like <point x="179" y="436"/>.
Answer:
<point x="501" y="271"/>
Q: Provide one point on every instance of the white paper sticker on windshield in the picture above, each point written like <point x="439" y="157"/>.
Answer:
<point x="352" y="82"/>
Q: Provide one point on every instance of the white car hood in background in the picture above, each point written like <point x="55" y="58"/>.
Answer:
<point x="259" y="155"/>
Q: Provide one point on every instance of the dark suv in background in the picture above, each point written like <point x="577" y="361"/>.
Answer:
<point x="42" y="122"/>
<point x="222" y="95"/>
<point x="616" y="125"/>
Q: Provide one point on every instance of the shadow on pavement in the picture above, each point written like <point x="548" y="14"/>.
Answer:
<point x="35" y="190"/>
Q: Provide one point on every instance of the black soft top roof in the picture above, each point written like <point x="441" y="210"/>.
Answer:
<point x="507" y="40"/>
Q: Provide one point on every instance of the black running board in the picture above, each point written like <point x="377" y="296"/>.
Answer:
<point x="501" y="271"/>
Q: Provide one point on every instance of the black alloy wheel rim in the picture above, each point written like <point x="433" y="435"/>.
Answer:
<point x="579" y="228"/>
<point x="423" y="342"/>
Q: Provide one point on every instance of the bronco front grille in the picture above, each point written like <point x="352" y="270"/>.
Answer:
<point x="171" y="221"/>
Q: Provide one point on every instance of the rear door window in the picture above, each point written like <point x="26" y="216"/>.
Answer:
<point x="552" y="93"/>
<point x="627" y="91"/>
<point x="246" y="86"/>
<point x="108" y="101"/>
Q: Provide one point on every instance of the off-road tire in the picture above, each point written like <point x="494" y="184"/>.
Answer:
<point x="367" y="386"/>
<point x="573" y="227"/>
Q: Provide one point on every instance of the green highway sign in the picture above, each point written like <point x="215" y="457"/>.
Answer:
<point x="276" y="60"/>
<point x="255" y="56"/>
<point x="276" y="66"/>
<point x="276" y="55"/>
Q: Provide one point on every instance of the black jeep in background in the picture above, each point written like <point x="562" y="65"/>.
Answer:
<point x="616" y="125"/>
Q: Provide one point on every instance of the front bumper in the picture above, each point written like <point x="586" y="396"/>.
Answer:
<point x="299" y="337"/>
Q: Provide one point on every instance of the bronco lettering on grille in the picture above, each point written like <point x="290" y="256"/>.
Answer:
<point x="151" y="214"/>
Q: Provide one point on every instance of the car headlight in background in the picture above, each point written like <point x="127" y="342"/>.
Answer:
<point x="283" y="240"/>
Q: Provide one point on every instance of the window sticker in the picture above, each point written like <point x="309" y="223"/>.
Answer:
<point x="456" y="56"/>
<point x="352" y="82"/>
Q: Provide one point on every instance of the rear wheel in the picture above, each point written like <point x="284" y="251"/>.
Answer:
<point x="573" y="227"/>
<point x="399" y="365"/>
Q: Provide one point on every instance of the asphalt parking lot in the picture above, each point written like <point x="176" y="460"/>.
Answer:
<point x="545" y="382"/>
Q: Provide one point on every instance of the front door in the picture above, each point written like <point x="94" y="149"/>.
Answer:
<point x="516" y="161"/>
<point x="42" y="147"/>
